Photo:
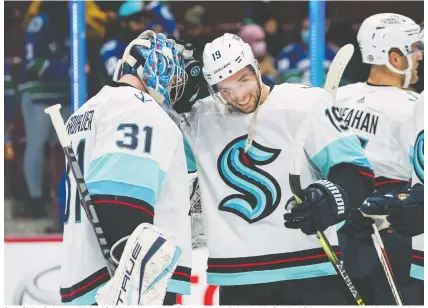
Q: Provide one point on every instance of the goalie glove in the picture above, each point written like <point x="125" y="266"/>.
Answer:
<point x="145" y="268"/>
<point x="324" y="205"/>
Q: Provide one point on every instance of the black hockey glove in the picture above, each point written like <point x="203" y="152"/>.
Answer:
<point x="402" y="212"/>
<point x="195" y="87"/>
<point x="324" y="205"/>
<point x="363" y="226"/>
<point x="407" y="217"/>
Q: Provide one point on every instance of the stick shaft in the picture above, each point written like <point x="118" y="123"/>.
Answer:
<point x="87" y="203"/>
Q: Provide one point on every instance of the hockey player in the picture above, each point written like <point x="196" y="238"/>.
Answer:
<point x="134" y="166"/>
<point x="377" y="111"/>
<point x="243" y="168"/>
<point x="404" y="211"/>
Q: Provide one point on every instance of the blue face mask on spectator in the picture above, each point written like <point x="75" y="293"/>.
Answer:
<point x="304" y="36"/>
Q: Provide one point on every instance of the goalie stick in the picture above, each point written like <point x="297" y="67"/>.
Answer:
<point x="334" y="75"/>
<point x="88" y="205"/>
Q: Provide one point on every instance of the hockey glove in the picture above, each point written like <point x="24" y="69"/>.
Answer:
<point x="363" y="226"/>
<point x="407" y="217"/>
<point x="372" y="211"/>
<point x="195" y="87"/>
<point x="324" y="204"/>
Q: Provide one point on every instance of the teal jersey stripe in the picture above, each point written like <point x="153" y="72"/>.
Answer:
<point x="122" y="189"/>
<point x="179" y="287"/>
<point x="344" y="150"/>
<point x="86" y="299"/>
<point x="190" y="158"/>
<point x="290" y="273"/>
<point x="120" y="170"/>
<point x="417" y="272"/>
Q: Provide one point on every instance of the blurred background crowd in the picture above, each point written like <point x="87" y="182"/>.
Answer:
<point x="37" y="71"/>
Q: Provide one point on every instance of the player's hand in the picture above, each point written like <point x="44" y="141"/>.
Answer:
<point x="195" y="87"/>
<point x="324" y="204"/>
<point x="372" y="211"/>
<point x="363" y="226"/>
<point x="407" y="216"/>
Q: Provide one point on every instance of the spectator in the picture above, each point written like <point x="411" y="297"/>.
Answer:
<point x="9" y="112"/>
<point x="162" y="19"/>
<point x="196" y="29"/>
<point x="255" y="37"/>
<point x="9" y="96"/>
<point x="293" y="63"/>
<point x="131" y="21"/>
<point x="275" y="36"/>
<point x="96" y="19"/>
<point x="44" y="81"/>
<point x="338" y="35"/>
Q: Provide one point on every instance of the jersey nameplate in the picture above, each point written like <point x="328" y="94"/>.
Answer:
<point x="80" y="122"/>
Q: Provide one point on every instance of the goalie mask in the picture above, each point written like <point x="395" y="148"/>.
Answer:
<point x="380" y="33"/>
<point x="154" y="59"/>
<point x="224" y="57"/>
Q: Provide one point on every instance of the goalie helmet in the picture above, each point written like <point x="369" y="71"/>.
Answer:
<point x="380" y="33"/>
<point x="156" y="61"/>
<point x="224" y="57"/>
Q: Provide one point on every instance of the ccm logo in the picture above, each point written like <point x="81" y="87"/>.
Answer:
<point x="127" y="276"/>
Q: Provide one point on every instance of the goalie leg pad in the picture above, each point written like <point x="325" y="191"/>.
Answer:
<point x="145" y="268"/>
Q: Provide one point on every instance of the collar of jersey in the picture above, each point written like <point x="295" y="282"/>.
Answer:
<point x="377" y="85"/>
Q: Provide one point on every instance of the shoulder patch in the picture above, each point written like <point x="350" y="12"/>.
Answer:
<point x="35" y="24"/>
<point x="142" y="97"/>
<point x="412" y="96"/>
<point x="110" y="45"/>
<point x="166" y="13"/>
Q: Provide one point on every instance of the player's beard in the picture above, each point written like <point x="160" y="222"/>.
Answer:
<point x="253" y="100"/>
<point x="414" y="79"/>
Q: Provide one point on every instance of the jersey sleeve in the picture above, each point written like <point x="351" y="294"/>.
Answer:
<point x="171" y="215"/>
<point x="330" y="142"/>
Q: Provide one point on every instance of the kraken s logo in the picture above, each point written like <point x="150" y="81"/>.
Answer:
<point x="418" y="158"/>
<point x="260" y="193"/>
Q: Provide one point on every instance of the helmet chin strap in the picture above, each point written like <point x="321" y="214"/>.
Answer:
<point x="249" y="141"/>
<point x="407" y="72"/>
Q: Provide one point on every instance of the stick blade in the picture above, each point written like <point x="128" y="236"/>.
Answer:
<point x="337" y="68"/>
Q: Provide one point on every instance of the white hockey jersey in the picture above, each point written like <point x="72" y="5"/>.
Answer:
<point x="417" y="267"/>
<point x="243" y="196"/>
<point x="131" y="154"/>
<point x="378" y="115"/>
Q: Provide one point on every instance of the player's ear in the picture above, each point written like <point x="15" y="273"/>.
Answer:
<point x="397" y="59"/>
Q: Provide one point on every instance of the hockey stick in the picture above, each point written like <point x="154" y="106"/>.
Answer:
<point x="384" y="260"/>
<point x="380" y="224"/>
<point x="88" y="205"/>
<point x="334" y="75"/>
